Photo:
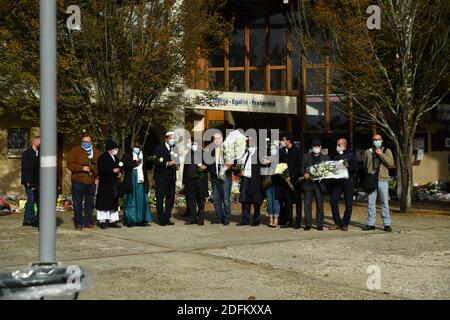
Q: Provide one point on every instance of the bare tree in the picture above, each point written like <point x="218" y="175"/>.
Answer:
<point x="393" y="75"/>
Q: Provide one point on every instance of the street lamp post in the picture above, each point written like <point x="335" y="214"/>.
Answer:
<point x="48" y="101"/>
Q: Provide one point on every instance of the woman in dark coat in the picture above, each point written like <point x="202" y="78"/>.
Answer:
<point x="136" y="186"/>
<point x="250" y="188"/>
<point x="107" y="202"/>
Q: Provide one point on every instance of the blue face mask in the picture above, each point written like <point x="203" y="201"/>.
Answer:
<point x="273" y="152"/>
<point x="86" y="145"/>
<point x="377" y="143"/>
<point x="172" y="142"/>
<point x="136" y="150"/>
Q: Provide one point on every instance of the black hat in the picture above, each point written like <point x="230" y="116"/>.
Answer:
<point x="109" y="145"/>
<point x="316" y="142"/>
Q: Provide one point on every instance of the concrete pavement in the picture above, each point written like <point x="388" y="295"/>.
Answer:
<point x="229" y="262"/>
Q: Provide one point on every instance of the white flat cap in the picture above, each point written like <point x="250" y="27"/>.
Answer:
<point x="170" y="133"/>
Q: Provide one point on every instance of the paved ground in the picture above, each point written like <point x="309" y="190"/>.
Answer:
<point x="218" y="262"/>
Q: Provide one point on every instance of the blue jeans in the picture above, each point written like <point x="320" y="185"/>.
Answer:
<point x="222" y="194"/>
<point x="83" y="192"/>
<point x="273" y="205"/>
<point x="383" y="192"/>
<point x="29" y="216"/>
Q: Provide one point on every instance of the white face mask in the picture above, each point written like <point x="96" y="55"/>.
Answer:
<point x="316" y="150"/>
<point x="251" y="149"/>
<point x="114" y="152"/>
<point x="194" y="147"/>
<point x="339" y="149"/>
<point x="273" y="152"/>
<point x="283" y="144"/>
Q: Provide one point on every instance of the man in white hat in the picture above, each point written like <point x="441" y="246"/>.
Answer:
<point x="165" y="178"/>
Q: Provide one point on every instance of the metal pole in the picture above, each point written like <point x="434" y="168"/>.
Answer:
<point x="48" y="96"/>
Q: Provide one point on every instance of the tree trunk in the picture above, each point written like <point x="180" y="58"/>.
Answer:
<point x="406" y="180"/>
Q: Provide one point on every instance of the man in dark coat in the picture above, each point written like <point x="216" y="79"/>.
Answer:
<point x="347" y="186"/>
<point x="250" y="188"/>
<point x="194" y="175"/>
<point x="135" y="187"/>
<point x="291" y="155"/>
<point x="165" y="178"/>
<point x="107" y="202"/>
<point x="313" y="188"/>
<point x="34" y="184"/>
<point x="28" y="158"/>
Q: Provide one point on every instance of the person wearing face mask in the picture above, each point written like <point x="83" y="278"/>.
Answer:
<point x="82" y="162"/>
<point x="194" y="174"/>
<point x="107" y="202"/>
<point x="250" y="186"/>
<point x="165" y="178"/>
<point x="135" y="186"/>
<point x="377" y="161"/>
<point x="346" y="186"/>
<point x="313" y="189"/>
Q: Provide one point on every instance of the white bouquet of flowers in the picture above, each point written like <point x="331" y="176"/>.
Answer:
<point x="283" y="172"/>
<point x="328" y="170"/>
<point x="233" y="148"/>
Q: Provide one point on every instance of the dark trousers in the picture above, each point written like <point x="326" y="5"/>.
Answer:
<point x="28" y="216"/>
<point x="246" y="207"/>
<point x="194" y="199"/>
<point x="83" y="202"/>
<point x="221" y="195"/>
<point x="298" y="206"/>
<point x="165" y="194"/>
<point x="338" y="187"/>
<point x="287" y="206"/>
<point x="314" y="191"/>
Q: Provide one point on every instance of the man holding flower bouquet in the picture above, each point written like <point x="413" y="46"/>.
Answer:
<point x="313" y="188"/>
<point x="346" y="186"/>
<point x="289" y="190"/>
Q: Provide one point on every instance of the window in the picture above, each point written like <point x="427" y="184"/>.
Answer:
<point x="17" y="141"/>
<point x="338" y="114"/>
<point x="237" y="43"/>
<point x="277" y="46"/>
<point x="257" y="41"/>
<point x="315" y="113"/>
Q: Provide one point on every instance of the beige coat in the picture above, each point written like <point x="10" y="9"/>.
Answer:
<point x="387" y="161"/>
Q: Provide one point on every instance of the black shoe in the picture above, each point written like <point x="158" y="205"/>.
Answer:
<point x="115" y="225"/>
<point x="320" y="228"/>
<point x="215" y="222"/>
<point x="103" y="225"/>
<point x="242" y="224"/>
<point x="286" y="225"/>
<point x="255" y="224"/>
<point x="387" y="229"/>
<point x="226" y="223"/>
<point x="296" y="226"/>
<point x="27" y="224"/>
<point x="368" y="228"/>
<point x="306" y="228"/>
<point x="163" y="224"/>
<point x="130" y="225"/>
<point x="170" y="223"/>
<point x="191" y="222"/>
<point x="144" y="224"/>
<point x="201" y="223"/>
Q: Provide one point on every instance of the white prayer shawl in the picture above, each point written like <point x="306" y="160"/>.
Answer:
<point x="139" y="168"/>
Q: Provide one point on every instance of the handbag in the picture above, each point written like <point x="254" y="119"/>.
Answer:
<point x="371" y="182"/>
<point x="266" y="182"/>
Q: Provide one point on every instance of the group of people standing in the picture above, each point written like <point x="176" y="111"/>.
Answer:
<point x="99" y="180"/>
